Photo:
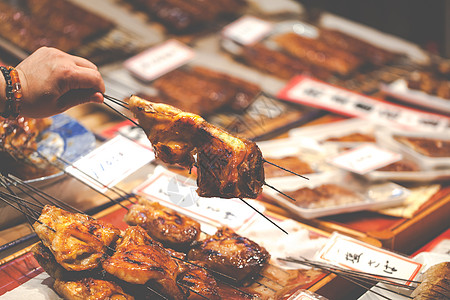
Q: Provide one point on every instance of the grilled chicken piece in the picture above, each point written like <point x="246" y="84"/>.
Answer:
<point x="164" y="224"/>
<point x="47" y="261"/>
<point x="231" y="254"/>
<point x="77" y="241"/>
<point x="140" y="260"/>
<point x="200" y="284"/>
<point x="228" y="166"/>
<point x="90" y="289"/>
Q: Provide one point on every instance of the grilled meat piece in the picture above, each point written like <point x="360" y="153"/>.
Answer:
<point x="228" y="166"/>
<point x="77" y="241"/>
<point x="186" y="15"/>
<point x="140" y="260"/>
<point x="18" y="140"/>
<point x="345" y="42"/>
<point x="200" y="283"/>
<point x="326" y="195"/>
<point x="426" y="146"/>
<point x="231" y="254"/>
<point x="435" y="283"/>
<point x="291" y="162"/>
<point x="56" y="23"/>
<point x="281" y="64"/>
<point x="47" y="261"/>
<point x="202" y="91"/>
<point x="164" y="224"/>
<point x="319" y="53"/>
<point x="90" y="289"/>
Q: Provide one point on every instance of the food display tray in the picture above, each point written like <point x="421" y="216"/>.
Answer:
<point x="398" y="234"/>
<point x="18" y="268"/>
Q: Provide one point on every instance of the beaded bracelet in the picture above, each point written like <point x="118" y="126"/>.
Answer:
<point x="13" y="92"/>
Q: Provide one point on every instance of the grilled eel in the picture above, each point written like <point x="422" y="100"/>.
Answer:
<point x="231" y="254"/>
<point x="227" y="166"/>
<point x="165" y="225"/>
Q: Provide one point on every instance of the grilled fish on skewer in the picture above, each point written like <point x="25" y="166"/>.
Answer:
<point x="77" y="241"/>
<point x="90" y="289"/>
<point x="231" y="254"/>
<point x="164" y="224"/>
<point x="140" y="260"/>
<point x="228" y="166"/>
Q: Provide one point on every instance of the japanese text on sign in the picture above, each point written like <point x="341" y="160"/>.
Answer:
<point x="319" y="94"/>
<point x="159" y="60"/>
<point x="353" y="254"/>
<point x="247" y="30"/>
<point x="110" y="163"/>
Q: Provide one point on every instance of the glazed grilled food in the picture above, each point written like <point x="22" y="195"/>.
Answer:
<point x="326" y="195"/>
<point x="426" y="146"/>
<point x="231" y="254"/>
<point x="56" y="23"/>
<point x="435" y="283"/>
<point x="139" y="259"/>
<point x="203" y="91"/>
<point x="291" y="162"/>
<point x="373" y="54"/>
<point x="164" y="224"/>
<point x="187" y="15"/>
<point x="77" y="241"/>
<point x="227" y="166"/>
<point x="18" y="140"/>
<point x="280" y="64"/>
<point x="90" y="289"/>
<point x="319" y="53"/>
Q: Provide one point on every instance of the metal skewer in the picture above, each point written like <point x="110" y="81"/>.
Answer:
<point x="18" y="199"/>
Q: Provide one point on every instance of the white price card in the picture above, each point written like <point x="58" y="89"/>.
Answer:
<point x="310" y="91"/>
<point x="179" y="193"/>
<point x="111" y="163"/>
<point x="247" y="30"/>
<point x="159" y="60"/>
<point x="343" y="251"/>
<point x="365" y="158"/>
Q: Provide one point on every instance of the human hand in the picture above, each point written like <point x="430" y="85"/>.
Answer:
<point x="54" y="81"/>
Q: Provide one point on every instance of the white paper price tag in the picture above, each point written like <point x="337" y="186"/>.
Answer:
<point x="111" y="162"/>
<point x="365" y="158"/>
<point x="315" y="93"/>
<point x="350" y="253"/>
<point x="159" y="60"/>
<point x="247" y="30"/>
<point x="179" y="193"/>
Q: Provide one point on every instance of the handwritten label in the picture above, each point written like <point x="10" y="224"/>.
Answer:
<point x="315" y="93"/>
<point x="110" y="163"/>
<point x="365" y="158"/>
<point x="350" y="253"/>
<point x="179" y="193"/>
<point x="159" y="60"/>
<point x="247" y="30"/>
